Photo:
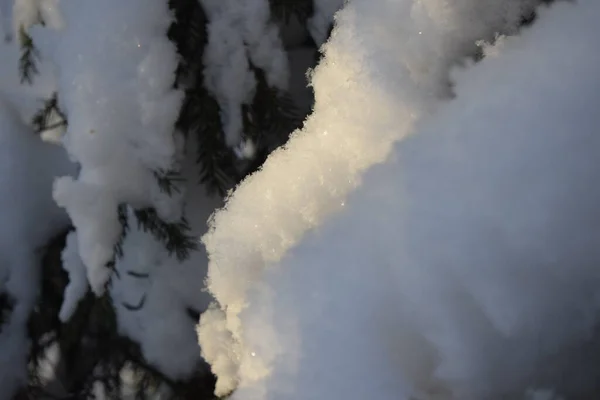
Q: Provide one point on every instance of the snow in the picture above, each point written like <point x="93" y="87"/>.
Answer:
<point x="78" y="282"/>
<point x="120" y="119"/>
<point x="240" y="34"/>
<point x="113" y="69"/>
<point x="121" y="129"/>
<point x="50" y="13"/>
<point x="29" y="218"/>
<point x="426" y="235"/>
<point x="462" y="264"/>
<point x="25" y="13"/>
<point x="167" y="286"/>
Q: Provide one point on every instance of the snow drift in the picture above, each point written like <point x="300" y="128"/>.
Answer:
<point x="466" y="265"/>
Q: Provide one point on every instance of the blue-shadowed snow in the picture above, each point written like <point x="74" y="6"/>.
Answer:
<point x="465" y="265"/>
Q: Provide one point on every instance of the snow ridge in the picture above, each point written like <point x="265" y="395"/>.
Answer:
<point x="371" y="88"/>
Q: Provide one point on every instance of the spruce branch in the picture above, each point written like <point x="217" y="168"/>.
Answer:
<point x="274" y="114"/>
<point x="201" y="114"/>
<point x="169" y="181"/>
<point x="175" y="236"/>
<point x="136" y="307"/>
<point x="104" y="354"/>
<point x="269" y="119"/>
<point x="43" y="325"/>
<point x="200" y="119"/>
<point x="7" y="305"/>
<point x="124" y="221"/>
<point x="188" y="32"/>
<point x="50" y="116"/>
<point x="138" y="275"/>
<point x="29" y="54"/>
<point x="284" y="10"/>
<point x="93" y="350"/>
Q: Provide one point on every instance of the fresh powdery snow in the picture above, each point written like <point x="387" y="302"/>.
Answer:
<point x="120" y="119"/>
<point x="463" y="265"/>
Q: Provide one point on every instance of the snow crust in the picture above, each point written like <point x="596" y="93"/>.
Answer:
<point x="464" y="264"/>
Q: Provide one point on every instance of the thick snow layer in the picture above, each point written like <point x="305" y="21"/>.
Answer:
<point x="25" y="13"/>
<point x="120" y="119"/>
<point x="28" y="219"/>
<point x="369" y="90"/>
<point x="465" y="266"/>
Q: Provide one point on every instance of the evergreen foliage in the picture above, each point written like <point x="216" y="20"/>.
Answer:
<point x="29" y="54"/>
<point x="6" y="306"/>
<point x="284" y="10"/>
<point x="91" y="348"/>
<point x="46" y="118"/>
